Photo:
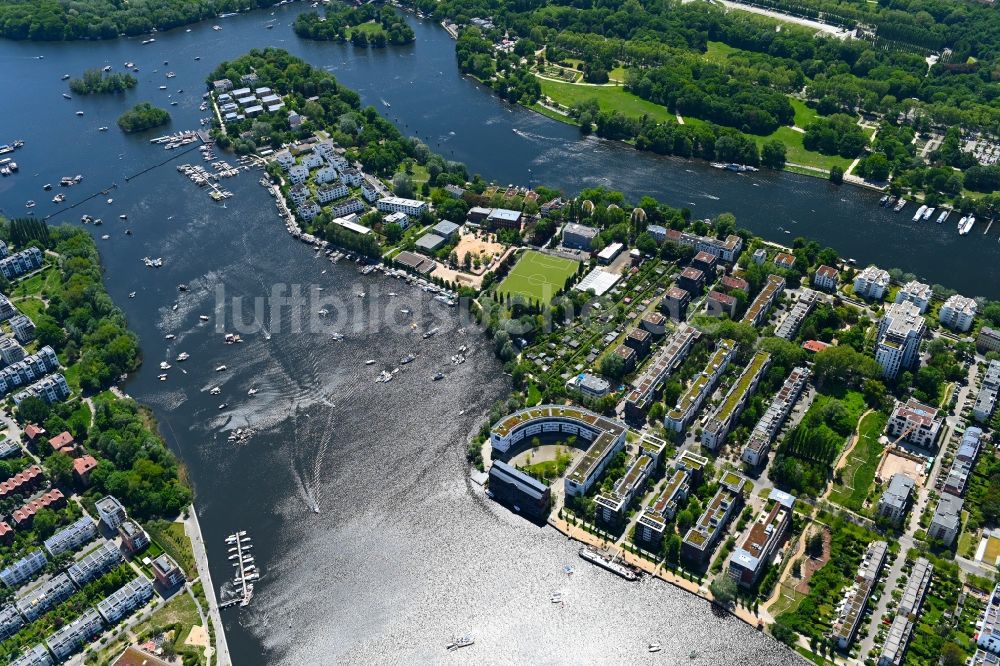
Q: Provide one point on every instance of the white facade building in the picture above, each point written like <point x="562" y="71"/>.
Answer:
<point x="411" y="207"/>
<point x="871" y="283"/>
<point x="917" y="293"/>
<point x="958" y="312"/>
<point x="899" y="335"/>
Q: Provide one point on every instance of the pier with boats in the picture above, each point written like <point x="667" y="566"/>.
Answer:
<point x="239" y="545"/>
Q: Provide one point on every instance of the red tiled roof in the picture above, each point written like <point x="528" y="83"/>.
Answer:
<point x="31" y="431"/>
<point x="20" y="481"/>
<point x="784" y="259"/>
<point x="814" y="345"/>
<point x="5" y="529"/>
<point x="84" y="464"/>
<point x="719" y="297"/>
<point x="733" y="282"/>
<point x="61" y="440"/>
<point x="706" y="257"/>
<point x="28" y="511"/>
<point x="828" y="272"/>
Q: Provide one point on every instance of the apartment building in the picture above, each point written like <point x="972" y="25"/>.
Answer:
<point x="678" y="418"/>
<point x="664" y="363"/>
<point x="752" y="557"/>
<point x="871" y="283"/>
<point x="958" y="313"/>
<point x="917" y="293"/>
<point x="900" y="331"/>
<point x="757" y="313"/>
<point x="125" y="600"/>
<point x="915" y="423"/>
<point x="700" y="540"/>
<point x="71" y="538"/>
<point x="652" y="524"/>
<point x="611" y="508"/>
<point x="986" y="400"/>
<point x="826" y="278"/>
<point x="793" y="319"/>
<point x="851" y="608"/>
<point x="767" y="428"/>
<point x="713" y="435"/>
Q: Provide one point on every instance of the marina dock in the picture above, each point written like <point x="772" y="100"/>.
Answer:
<point x="246" y="571"/>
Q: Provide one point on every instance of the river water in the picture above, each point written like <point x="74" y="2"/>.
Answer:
<point x="374" y="544"/>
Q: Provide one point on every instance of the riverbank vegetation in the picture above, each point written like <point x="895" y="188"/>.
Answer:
<point x="734" y="72"/>
<point x="142" y="117"/>
<point x="53" y="20"/>
<point x="94" y="82"/>
<point x="367" y="25"/>
<point x="90" y="334"/>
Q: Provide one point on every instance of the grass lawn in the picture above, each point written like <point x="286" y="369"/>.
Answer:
<point x="859" y="471"/>
<point x="719" y="51"/>
<point x="967" y="541"/>
<point x="796" y="153"/>
<point x="547" y="469"/>
<point x="534" y="395"/>
<point x="371" y="28"/>
<point x="31" y="307"/>
<point x="789" y="600"/>
<point x="608" y="98"/>
<point x="615" y="98"/>
<point x="44" y="282"/>
<point x="617" y="74"/>
<point x="803" y="114"/>
<point x="538" y="276"/>
<point x="180" y="609"/>
<point x="72" y="375"/>
<point x="171" y="537"/>
<point x="420" y="174"/>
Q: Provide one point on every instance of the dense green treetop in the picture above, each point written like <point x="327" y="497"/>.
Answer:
<point x="94" y="81"/>
<point x="106" y="19"/>
<point x="341" y="21"/>
<point x="141" y="117"/>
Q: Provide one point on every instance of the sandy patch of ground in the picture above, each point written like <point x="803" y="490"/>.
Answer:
<point x="198" y="637"/>
<point x="481" y="245"/>
<point x="894" y="462"/>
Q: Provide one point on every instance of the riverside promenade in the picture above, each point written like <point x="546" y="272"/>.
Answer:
<point x="193" y="530"/>
<point x="656" y="570"/>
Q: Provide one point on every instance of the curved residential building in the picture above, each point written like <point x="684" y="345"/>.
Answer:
<point x="606" y="437"/>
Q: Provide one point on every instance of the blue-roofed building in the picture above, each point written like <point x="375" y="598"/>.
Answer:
<point x="72" y="537"/>
<point x="46" y="597"/>
<point x="519" y="491"/>
<point x="24" y="569"/>
<point x="10" y="621"/>
<point x="36" y="656"/>
<point x="104" y="558"/>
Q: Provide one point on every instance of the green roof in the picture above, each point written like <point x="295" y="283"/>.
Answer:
<point x="735" y="396"/>
<point x="765" y="298"/>
<point x="702" y="381"/>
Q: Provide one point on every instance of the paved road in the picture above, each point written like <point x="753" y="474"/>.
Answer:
<point x="895" y="570"/>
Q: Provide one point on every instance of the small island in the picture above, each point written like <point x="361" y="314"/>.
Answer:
<point x="142" y="117"/>
<point x="96" y="82"/>
<point x="362" y="26"/>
